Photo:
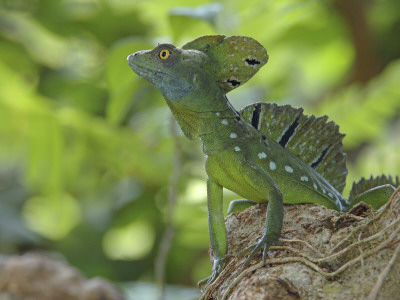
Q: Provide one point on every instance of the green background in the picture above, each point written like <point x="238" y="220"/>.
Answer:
<point x="89" y="156"/>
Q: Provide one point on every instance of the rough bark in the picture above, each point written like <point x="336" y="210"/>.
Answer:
<point x="324" y="255"/>
<point x="40" y="277"/>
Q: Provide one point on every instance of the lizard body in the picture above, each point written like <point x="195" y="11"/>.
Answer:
<point x="245" y="152"/>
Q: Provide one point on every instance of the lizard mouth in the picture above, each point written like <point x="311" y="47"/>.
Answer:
<point x="144" y="71"/>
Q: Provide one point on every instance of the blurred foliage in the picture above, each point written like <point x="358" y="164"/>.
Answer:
<point x="86" y="151"/>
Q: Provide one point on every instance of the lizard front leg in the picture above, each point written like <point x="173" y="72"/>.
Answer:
<point x="216" y="228"/>
<point x="262" y="183"/>
<point x="257" y="182"/>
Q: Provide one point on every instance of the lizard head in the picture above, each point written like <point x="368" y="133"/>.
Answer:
<point x="174" y="71"/>
<point x="209" y="62"/>
<point x="195" y="78"/>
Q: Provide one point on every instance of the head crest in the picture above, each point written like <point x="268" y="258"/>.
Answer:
<point x="235" y="59"/>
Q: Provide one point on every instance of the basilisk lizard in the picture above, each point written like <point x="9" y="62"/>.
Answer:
<point x="265" y="152"/>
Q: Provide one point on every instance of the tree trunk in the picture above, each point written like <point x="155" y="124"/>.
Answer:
<point x="324" y="254"/>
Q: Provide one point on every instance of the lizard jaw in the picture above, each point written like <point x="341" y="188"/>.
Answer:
<point x="145" y="72"/>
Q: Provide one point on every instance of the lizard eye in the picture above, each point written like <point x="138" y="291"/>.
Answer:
<point x="164" y="54"/>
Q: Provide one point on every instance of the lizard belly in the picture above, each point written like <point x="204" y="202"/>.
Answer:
<point x="296" y="193"/>
<point x="298" y="182"/>
<point x="230" y="172"/>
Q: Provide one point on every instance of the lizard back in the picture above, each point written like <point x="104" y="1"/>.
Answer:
<point x="315" y="141"/>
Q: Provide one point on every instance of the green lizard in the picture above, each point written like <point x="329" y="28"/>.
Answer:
<point x="264" y="153"/>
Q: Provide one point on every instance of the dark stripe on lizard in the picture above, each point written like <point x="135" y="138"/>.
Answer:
<point x="321" y="157"/>
<point x="255" y="117"/>
<point x="289" y="132"/>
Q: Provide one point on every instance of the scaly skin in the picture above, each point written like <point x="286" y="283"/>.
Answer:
<point x="239" y="157"/>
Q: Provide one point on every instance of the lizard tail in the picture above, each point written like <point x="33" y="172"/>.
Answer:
<point x="364" y="185"/>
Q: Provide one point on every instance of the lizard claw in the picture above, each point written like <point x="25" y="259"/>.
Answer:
<point x="265" y="242"/>
<point x="218" y="266"/>
<point x="245" y="251"/>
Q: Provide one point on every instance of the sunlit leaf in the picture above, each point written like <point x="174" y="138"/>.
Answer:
<point x="133" y="241"/>
<point x="53" y="216"/>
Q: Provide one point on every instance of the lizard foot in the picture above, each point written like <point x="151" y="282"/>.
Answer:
<point x="218" y="266"/>
<point x="265" y="242"/>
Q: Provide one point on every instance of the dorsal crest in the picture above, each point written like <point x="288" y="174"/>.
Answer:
<point x="234" y="59"/>
<point x="314" y="140"/>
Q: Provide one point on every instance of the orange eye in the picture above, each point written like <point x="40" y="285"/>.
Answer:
<point x="164" y="54"/>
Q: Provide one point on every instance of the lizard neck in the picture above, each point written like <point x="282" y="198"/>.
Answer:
<point x="198" y="106"/>
<point x="225" y="128"/>
<point x="211" y="118"/>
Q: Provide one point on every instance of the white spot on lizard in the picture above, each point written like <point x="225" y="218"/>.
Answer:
<point x="261" y="155"/>
<point x="289" y="169"/>
<point x="217" y="114"/>
<point x="224" y="121"/>
<point x="272" y="165"/>
<point x="233" y="135"/>
<point x="304" y="178"/>
<point x="237" y="148"/>
<point x="315" y="186"/>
